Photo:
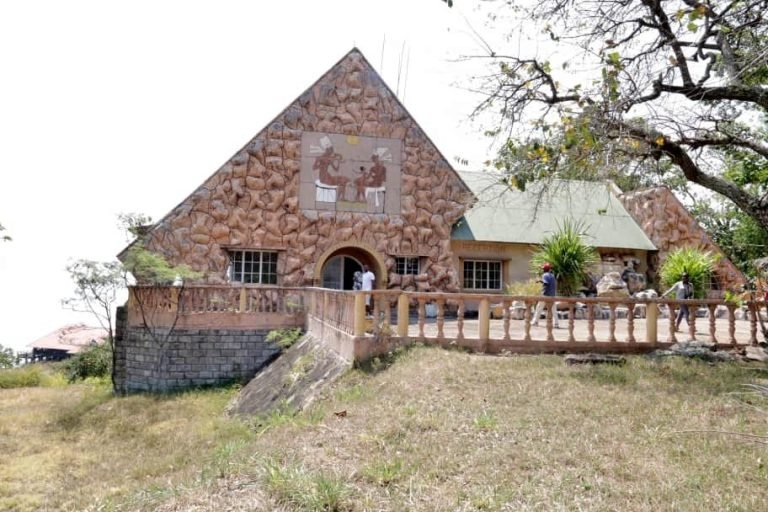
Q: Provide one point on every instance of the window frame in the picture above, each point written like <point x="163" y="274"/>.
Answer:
<point x="476" y="280"/>
<point x="405" y="263"/>
<point x="263" y="268"/>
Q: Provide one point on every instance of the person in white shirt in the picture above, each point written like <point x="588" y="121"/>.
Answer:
<point x="683" y="290"/>
<point x="368" y="279"/>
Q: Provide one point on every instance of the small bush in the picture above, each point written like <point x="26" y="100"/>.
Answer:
<point x="24" y="377"/>
<point x="93" y="362"/>
<point x="696" y="263"/>
<point x="569" y="254"/>
<point x="527" y="288"/>
<point x="284" y="338"/>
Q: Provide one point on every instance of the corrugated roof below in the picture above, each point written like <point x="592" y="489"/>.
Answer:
<point x="505" y="215"/>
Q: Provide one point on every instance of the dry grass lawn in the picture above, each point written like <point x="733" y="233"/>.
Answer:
<point x="429" y="430"/>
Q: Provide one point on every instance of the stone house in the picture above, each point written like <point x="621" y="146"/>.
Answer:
<point x="344" y="177"/>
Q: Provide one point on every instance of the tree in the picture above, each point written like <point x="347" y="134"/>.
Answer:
<point x="4" y="238"/>
<point x="7" y="358"/>
<point x="568" y="254"/>
<point x="150" y="270"/>
<point x="96" y="287"/>
<point x="638" y="86"/>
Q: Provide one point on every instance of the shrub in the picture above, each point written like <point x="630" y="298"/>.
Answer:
<point x="696" y="263"/>
<point x="524" y="288"/>
<point x="92" y="362"/>
<point x="24" y="377"/>
<point x="284" y="338"/>
<point x="570" y="256"/>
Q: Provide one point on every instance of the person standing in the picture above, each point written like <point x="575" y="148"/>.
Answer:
<point x="683" y="290"/>
<point x="548" y="289"/>
<point x="368" y="279"/>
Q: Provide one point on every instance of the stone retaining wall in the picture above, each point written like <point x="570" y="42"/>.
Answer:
<point x="191" y="358"/>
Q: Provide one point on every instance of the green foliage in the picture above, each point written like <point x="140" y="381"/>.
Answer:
<point x="527" y="288"/>
<point x="96" y="287"/>
<point x="570" y="256"/>
<point x="151" y="268"/>
<point x="697" y="264"/>
<point x="95" y="361"/>
<point x="486" y="420"/>
<point x="306" y="491"/>
<point x="7" y="357"/>
<point x="625" y="109"/>
<point x="285" y="338"/>
<point x="24" y="377"/>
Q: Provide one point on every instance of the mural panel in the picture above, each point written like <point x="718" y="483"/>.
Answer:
<point x="349" y="173"/>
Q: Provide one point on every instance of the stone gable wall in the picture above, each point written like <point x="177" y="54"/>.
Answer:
<point x="670" y="226"/>
<point x="252" y="201"/>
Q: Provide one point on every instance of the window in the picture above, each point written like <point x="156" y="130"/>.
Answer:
<point x="407" y="266"/>
<point x="253" y="267"/>
<point x="482" y="275"/>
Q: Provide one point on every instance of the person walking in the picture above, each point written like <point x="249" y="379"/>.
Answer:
<point x="548" y="289"/>
<point x="368" y="279"/>
<point x="683" y="290"/>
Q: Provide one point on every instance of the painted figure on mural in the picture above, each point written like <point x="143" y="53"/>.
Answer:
<point x="327" y="161"/>
<point x="372" y="178"/>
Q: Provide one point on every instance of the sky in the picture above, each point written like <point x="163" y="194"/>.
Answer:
<point x="110" y="107"/>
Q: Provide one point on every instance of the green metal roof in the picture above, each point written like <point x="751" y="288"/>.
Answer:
<point x="502" y="214"/>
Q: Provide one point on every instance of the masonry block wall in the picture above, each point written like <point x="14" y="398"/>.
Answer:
<point x="190" y="358"/>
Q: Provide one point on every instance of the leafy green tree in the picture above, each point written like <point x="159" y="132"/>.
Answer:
<point x="658" y="87"/>
<point x="688" y="260"/>
<point x="7" y="357"/>
<point x="568" y="254"/>
<point x="96" y="287"/>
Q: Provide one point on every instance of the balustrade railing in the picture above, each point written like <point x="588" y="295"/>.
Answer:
<point x="468" y="318"/>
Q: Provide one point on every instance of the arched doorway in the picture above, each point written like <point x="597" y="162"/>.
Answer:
<point x="336" y="266"/>
<point x="339" y="271"/>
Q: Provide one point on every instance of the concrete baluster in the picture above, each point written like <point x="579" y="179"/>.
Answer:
<point x="505" y="315"/>
<point x="631" y="322"/>
<point x="440" y="318"/>
<point x="571" y="321"/>
<point x="422" y="317"/>
<point x="731" y="324"/>
<point x="612" y="322"/>
<point x="591" y="322"/>
<point x="460" y="321"/>
<point x="712" y="336"/>
<point x="550" y="306"/>
<point x="753" y="323"/>
<point x="692" y="308"/>
<point x="527" y="320"/>
<point x="672" y="314"/>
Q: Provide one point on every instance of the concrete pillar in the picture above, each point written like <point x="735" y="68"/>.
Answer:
<point x="484" y="319"/>
<point x="359" y="328"/>
<point x="402" y="315"/>
<point x="651" y="322"/>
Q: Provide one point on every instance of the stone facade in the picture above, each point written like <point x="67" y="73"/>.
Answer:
<point x="670" y="226"/>
<point x="191" y="358"/>
<point x="253" y="200"/>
